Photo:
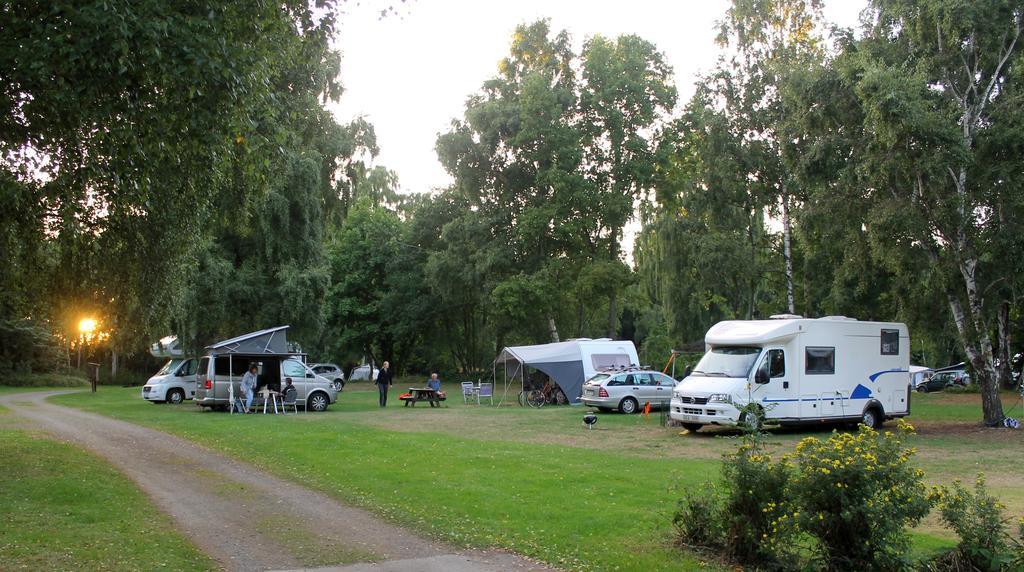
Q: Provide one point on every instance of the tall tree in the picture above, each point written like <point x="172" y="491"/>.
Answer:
<point x="128" y="124"/>
<point x="770" y="38"/>
<point x="939" y="83"/>
<point x="552" y="160"/>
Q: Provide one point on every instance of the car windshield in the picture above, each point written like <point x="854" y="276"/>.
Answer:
<point x="597" y="379"/>
<point x="727" y="361"/>
<point x="169" y="367"/>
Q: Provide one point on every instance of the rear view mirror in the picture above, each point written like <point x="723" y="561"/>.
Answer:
<point x="761" y="376"/>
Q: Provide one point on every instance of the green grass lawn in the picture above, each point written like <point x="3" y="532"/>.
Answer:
<point x="537" y="481"/>
<point x="64" y="509"/>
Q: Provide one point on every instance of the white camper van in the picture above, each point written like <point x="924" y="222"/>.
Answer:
<point x="798" y="370"/>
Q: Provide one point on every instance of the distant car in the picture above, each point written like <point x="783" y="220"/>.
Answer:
<point x="331" y="372"/>
<point x="363" y="373"/>
<point x="943" y="379"/>
<point x="628" y="391"/>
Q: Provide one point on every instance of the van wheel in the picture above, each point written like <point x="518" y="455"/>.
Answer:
<point x="175" y="396"/>
<point x="317" y="402"/>
<point x="872" y="417"/>
<point x="629" y="406"/>
<point x="339" y="384"/>
<point x="692" y="427"/>
<point x="753" y="420"/>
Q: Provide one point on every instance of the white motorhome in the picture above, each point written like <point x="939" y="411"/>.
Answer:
<point x="798" y="370"/>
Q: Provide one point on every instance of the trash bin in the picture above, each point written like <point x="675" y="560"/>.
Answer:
<point x="94" y="374"/>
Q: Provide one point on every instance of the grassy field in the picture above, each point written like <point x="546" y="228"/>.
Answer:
<point x="537" y="481"/>
<point x="64" y="509"/>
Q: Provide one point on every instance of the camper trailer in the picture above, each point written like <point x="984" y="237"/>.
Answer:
<point x="797" y="370"/>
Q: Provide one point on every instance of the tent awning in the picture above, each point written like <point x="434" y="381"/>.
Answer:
<point x="269" y="341"/>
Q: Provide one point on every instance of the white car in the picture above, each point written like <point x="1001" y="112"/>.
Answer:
<point x="174" y="383"/>
<point x="363" y="373"/>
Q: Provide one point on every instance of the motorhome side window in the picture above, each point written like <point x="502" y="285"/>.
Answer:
<point x="820" y="361"/>
<point x="776" y="363"/>
<point x="890" y="342"/>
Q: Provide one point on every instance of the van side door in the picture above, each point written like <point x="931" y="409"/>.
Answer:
<point x="774" y="385"/>
<point x="186" y="375"/>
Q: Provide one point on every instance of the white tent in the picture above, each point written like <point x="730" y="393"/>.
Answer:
<point x="568" y="363"/>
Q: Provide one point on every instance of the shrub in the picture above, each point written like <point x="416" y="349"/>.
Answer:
<point x="970" y="388"/>
<point x="754" y="505"/>
<point x="978" y="519"/>
<point x="27" y="347"/>
<point x="855" y="494"/>
<point x="742" y="522"/>
<point x="698" y="520"/>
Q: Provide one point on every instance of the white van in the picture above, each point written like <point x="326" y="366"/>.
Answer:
<point x="174" y="383"/>
<point x="798" y="370"/>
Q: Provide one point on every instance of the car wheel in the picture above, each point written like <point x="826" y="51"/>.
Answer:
<point x="175" y="396"/>
<point x="692" y="427"/>
<point x="629" y="406"/>
<point x="338" y="384"/>
<point x="317" y="402"/>
<point x="923" y="388"/>
<point x="872" y="417"/>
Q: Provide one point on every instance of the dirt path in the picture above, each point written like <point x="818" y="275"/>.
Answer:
<point x="243" y="517"/>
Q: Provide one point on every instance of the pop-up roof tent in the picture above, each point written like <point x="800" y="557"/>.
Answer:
<point x="568" y="363"/>
<point x="269" y="341"/>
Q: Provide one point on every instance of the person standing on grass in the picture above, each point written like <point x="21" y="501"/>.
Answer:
<point x="384" y="382"/>
<point x="248" y="386"/>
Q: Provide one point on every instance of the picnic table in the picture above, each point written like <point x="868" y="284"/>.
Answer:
<point x="422" y="394"/>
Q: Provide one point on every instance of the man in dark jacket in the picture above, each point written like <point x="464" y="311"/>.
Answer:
<point x="384" y="382"/>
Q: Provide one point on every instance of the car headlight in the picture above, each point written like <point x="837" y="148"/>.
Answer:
<point x="720" y="398"/>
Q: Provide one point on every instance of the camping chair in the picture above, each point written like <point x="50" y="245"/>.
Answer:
<point x="468" y="391"/>
<point x="290" y="401"/>
<point x="486" y="390"/>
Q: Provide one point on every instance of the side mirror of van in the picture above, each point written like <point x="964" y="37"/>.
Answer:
<point x="761" y="376"/>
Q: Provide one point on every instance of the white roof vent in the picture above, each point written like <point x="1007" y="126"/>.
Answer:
<point x="785" y="317"/>
<point x="839" y="318"/>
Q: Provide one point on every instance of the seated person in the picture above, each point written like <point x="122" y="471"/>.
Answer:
<point x="434" y="382"/>
<point x="288" y="385"/>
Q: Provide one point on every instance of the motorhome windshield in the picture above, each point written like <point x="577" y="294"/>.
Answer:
<point x="169" y="367"/>
<point x="727" y="361"/>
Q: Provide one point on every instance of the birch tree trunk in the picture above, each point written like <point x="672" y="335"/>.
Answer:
<point x="787" y="253"/>
<point x="553" y="328"/>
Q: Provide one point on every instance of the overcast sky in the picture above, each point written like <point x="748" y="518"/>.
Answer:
<point x="409" y="74"/>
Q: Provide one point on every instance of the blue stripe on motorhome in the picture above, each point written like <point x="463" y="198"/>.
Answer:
<point x="876" y="375"/>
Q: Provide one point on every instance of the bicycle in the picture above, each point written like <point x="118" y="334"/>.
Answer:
<point x="550" y="393"/>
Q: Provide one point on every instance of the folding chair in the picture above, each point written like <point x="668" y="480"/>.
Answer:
<point x="468" y="391"/>
<point x="290" y="401"/>
<point x="486" y="390"/>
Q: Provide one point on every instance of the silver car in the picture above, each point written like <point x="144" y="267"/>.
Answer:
<point x="628" y="391"/>
<point x="331" y="372"/>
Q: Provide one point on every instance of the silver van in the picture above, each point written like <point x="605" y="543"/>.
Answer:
<point x="216" y="373"/>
